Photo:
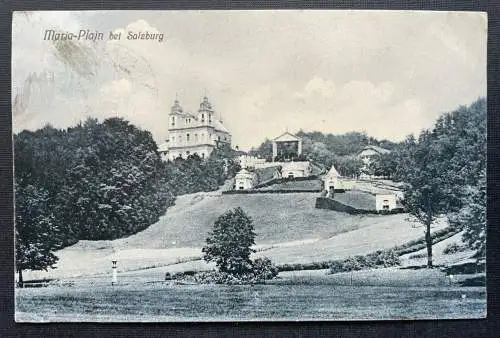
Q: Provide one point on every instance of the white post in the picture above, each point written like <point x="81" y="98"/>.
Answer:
<point x="299" y="150"/>
<point x="115" y="276"/>
<point x="275" y="151"/>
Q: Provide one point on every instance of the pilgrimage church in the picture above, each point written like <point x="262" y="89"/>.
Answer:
<point x="191" y="133"/>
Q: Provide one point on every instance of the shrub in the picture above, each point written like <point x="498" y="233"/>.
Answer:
<point x="417" y="256"/>
<point x="378" y="259"/>
<point x="352" y="264"/>
<point x="385" y="258"/>
<point x="453" y="248"/>
<point x="263" y="268"/>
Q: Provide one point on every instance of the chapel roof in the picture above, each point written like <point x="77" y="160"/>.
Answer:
<point x="286" y="137"/>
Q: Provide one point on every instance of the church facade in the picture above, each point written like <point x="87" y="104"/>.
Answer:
<point x="192" y="134"/>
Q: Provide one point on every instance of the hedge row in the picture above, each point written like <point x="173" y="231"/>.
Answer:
<point x="419" y="244"/>
<point x="389" y="255"/>
<point x="377" y="259"/>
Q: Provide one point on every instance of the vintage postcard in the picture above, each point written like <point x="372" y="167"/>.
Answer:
<point x="249" y="165"/>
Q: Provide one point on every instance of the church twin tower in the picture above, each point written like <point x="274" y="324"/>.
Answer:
<point x="194" y="134"/>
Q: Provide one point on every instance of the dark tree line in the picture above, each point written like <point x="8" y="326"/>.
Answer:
<point x="97" y="181"/>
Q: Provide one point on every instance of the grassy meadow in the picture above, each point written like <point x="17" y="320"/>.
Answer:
<point x="312" y="295"/>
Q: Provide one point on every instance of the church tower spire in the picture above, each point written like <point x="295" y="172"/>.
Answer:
<point x="206" y="112"/>
<point x="175" y="110"/>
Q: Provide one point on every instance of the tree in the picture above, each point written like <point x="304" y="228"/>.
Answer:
<point x="36" y="237"/>
<point x="446" y="174"/>
<point x="265" y="150"/>
<point x="348" y="166"/>
<point x="229" y="244"/>
<point x="425" y="196"/>
<point x="383" y="165"/>
<point x="472" y="218"/>
<point x="465" y="130"/>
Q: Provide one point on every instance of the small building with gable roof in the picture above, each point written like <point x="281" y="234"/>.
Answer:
<point x="286" y="147"/>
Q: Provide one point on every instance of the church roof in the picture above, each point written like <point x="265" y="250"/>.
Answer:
<point x="176" y="108"/>
<point x="219" y="126"/>
<point x="286" y="137"/>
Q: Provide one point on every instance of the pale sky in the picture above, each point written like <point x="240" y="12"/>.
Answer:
<point x="387" y="73"/>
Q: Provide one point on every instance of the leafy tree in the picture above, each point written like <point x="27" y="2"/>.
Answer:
<point x="425" y="198"/>
<point x="36" y="237"/>
<point x="383" y="165"/>
<point x="229" y="244"/>
<point x="446" y="174"/>
<point x="464" y="131"/>
<point x="348" y="166"/>
<point x="472" y="218"/>
<point x="265" y="150"/>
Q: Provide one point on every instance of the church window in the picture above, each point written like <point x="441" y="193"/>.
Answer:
<point x="173" y="121"/>
<point x="202" y="118"/>
<point x="196" y="137"/>
<point x="187" y="137"/>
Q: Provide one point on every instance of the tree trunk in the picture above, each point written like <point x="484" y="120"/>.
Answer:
<point x="428" y="242"/>
<point x="20" y="281"/>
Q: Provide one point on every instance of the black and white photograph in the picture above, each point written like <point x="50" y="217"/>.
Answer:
<point x="249" y="165"/>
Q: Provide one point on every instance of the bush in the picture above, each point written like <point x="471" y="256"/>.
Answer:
<point x="219" y="277"/>
<point x="385" y="258"/>
<point x="417" y="256"/>
<point x="262" y="269"/>
<point x="352" y="264"/>
<point x="453" y="248"/>
<point x="378" y="259"/>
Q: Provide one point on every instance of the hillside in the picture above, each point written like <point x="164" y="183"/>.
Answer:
<point x="289" y="217"/>
<point x="291" y="231"/>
